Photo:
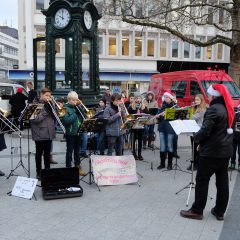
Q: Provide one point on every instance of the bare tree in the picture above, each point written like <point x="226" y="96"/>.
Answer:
<point x="180" y="17"/>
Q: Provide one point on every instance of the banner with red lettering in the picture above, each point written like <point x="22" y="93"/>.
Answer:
<point x="114" y="170"/>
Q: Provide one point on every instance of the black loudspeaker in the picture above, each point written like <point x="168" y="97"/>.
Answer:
<point x="60" y="183"/>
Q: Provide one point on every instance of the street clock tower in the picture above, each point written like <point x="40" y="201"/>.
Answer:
<point x="72" y="48"/>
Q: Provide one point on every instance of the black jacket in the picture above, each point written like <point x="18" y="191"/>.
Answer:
<point x="32" y="96"/>
<point x="18" y="103"/>
<point x="213" y="137"/>
<point x="236" y="127"/>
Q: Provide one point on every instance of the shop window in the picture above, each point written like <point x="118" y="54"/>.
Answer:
<point x="138" y="47"/>
<point x="194" y="88"/>
<point x="163" y="48"/>
<point x="57" y="45"/>
<point x="209" y="51"/>
<point x="112" y="45"/>
<point x="186" y="50"/>
<point x="174" y="49"/>
<point x="220" y="51"/>
<point x="198" y="52"/>
<point x="150" y="48"/>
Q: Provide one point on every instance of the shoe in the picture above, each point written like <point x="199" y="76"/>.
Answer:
<point x="218" y="217"/>
<point x="2" y="174"/>
<point x="169" y="167"/>
<point x="83" y="155"/>
<point x="38" y="176"/>
<point x="231" y="166"/>
<point x="82" y="172"/>
<point x="190" y="214"/>
<point x="140" y="157"/>
<point x="160" y="167"/>
<point x="144" y="147"/>
<point x="176" y="155"/>
<point x="53" y="161"/>
<point x="135" y="156"/>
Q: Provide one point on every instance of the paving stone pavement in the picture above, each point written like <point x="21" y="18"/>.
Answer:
<point x="150" y="211"/>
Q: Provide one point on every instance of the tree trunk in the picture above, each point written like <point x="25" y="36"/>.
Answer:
<point x="234" y="68"/>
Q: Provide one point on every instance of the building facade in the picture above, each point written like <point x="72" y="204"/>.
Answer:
<point x="8" y="50"/>
<point x="128" y="55"/>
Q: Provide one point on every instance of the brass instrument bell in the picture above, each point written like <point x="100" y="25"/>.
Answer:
<point x="5" y="113"/>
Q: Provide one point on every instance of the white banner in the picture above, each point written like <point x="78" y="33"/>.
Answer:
<point x="114" y="170"/>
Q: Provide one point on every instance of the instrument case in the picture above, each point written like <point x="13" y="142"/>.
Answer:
<point x="60" y="183"/>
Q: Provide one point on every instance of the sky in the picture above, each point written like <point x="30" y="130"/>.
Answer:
<point x="9" y="13"/>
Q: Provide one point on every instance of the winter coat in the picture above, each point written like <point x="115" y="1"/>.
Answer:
<point x="18" y="103"/>
<point x="213" y="137"/>
<point x="150" y="104"/>
<point x="198" y="117"/>
<point x="43" y="126"/>
<point x="113" y="127"/>
<point x="72" y="120"/>
<point x="164" y="125"/>
<point x="236" y="127"/>
<point x="32" y="96"/>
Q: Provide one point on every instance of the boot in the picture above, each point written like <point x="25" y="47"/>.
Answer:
<point x="162" y="161"/>
<point x="150" y="143"/>
<point x="170" y="158"/>
<point x="135" y="156"/>
<point x="52" y="161"/>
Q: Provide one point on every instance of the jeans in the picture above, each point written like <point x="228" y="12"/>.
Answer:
<point x="100" y="142"/>
<point x="166" y="142"/>
<point x="73" y="145"/>
<point x="117" y="143"/>
<point x="84" y="142"/>
<point x="206" y="168"/>
<point x="236" y="148"/>
<point x="42" y="148"/>
<point x="148" y="132"/>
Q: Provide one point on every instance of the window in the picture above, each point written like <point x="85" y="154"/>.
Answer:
<point x="194" y="88"/>
<point x="179" y="88"/>
<point x="39" y="4"/>
<point x="220" y="51"/>
<point x="198" y="50"/>
<point x="100" y="45"/>
<point x="41" y="44"/>
<point x="138" y="47"/>
<point x="150" y="47"/>
<point x="125" y="45"/>
<point x="6" y="92"/>
<point x="174" y="49"/>
<point x="163" y="48"/>
<point x="209" y="50"/>
<point x="186" y="50"/>
<point x="57" y="45"/>
<point x="112" y="45"/>
<point x="210" y="15"/>
<point x="221" y="16"/>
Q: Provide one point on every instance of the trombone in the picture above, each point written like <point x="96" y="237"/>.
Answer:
<point x="8" y="123"/>
<point x="61" y="110"/>
<point x="89" y="112"/>
<point x="56" y="115"/>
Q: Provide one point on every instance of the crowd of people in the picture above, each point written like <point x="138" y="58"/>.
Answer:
<point x="213" y="145"/>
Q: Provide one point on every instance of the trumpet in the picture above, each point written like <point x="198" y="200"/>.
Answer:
<point x="89" y="112"/>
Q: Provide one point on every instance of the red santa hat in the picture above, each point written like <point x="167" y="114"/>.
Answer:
<point x="221" y="90"/>
<point x="169" y="94"/>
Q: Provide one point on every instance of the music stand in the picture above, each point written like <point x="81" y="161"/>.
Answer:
<point x="92" y="125"/>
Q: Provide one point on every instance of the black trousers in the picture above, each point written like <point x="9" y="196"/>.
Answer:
<point x="236" y="148"/>
<point x="138" y="135"/>
<point x="42" y="148"/>
<point x="206" y="168"/>
<point x="195" y="152"/>
<point x="73" y="147"/>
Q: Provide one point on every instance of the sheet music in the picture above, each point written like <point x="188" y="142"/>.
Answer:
<point x="184" y="126"/>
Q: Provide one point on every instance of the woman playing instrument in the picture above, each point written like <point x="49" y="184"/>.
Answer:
<point x="166" y="132"/>
<point x="199" y="109"/>
<point x="43" y="131"/>
<point x="72" y="121"/>
<point x="137" y="107"/>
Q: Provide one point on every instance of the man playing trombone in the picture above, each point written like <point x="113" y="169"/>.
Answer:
<point x="43" y="130"/>
<point x="115" y="115"/>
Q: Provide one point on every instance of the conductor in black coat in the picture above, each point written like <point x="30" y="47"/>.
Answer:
<point x="215" y="139"/>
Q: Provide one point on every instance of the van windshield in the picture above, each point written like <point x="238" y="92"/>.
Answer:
<point x="232" y="87"/>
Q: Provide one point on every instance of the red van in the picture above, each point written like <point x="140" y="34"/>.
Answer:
<point x="186" y="84"/>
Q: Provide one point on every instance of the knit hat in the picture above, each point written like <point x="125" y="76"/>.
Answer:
<point x="19" y="90"/>
<point x="169" y="94"/>
<point x="218" y="90"/>
<point x="137" y="94"/>
<point x="103" y="100"/>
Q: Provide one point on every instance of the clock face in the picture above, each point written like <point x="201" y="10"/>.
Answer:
<point x="62" y="18"/>
<point x="88" y="19"/>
